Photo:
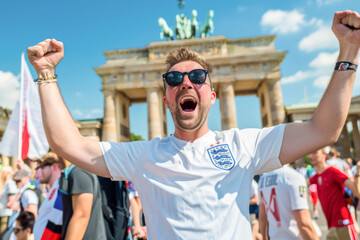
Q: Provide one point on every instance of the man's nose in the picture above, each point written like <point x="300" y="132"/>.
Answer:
<point x="186" y="84"/>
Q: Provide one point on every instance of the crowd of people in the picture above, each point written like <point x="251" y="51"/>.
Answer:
<point x="58" y="200"/>
<point x="195" y="183"/>
<point x="284" y="195"/>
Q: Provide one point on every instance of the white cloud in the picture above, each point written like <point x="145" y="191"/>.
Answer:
<point x="97" y="112"/>
<point x="9" y="89"/>
<point x="322" y="81"/>
<point x="324" y="60"/>
<point x="321" y="68"/>
<point x="77" y="113"/>
<point x="319" y="40"/>
<point x="283" y="22"/>
<point x="86" y="114"/>
<point x="297" y="77"/>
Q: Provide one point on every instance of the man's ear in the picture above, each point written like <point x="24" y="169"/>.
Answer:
<point x="213" y="97"/>
<point x="165" y="102"/>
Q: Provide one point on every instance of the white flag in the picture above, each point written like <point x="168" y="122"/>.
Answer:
<point x="25" y="140"/>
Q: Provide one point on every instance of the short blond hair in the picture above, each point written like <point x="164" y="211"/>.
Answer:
<point x="185" y="54"/>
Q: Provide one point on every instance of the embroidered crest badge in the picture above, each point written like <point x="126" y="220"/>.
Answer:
<point x="221" y="156"/>
<point x="302" y="191"/>
<point x="320" y="180"/>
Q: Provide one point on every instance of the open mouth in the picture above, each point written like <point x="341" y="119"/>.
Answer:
<point x="188" y="104"/>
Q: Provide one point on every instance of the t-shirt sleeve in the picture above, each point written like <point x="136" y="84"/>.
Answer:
<point x="80" y="182"/>
<point x="12" y="189"/>
<point x="29" y="197"/>
<point x="122" y="159"/>
<point x="254" y="188"/>
<point x="339" y="175"/>
<point x="298" y="192"/>
<point x="265" y="145"/>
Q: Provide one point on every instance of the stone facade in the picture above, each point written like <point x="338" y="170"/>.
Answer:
<point x="240" y="67"/>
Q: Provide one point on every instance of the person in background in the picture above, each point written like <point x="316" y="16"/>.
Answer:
<point x="23" y="229"/>
<point x="115" y="208"/>
<point x="254" y="211"/>
<point x="48" y="224"/>
<point x="82" y="206"/>
<point x="138" y="228"/>
<point x="313" y="191"/>
<point x="330" y="182"/>
<point x="8" y="190"/>
<point x="284" y="211"/>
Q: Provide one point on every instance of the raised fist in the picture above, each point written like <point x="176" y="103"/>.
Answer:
<point x="45" y="56"/>
<point x="346" y="26"/>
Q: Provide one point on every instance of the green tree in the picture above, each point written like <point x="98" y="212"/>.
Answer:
<point x="134" y="137"/>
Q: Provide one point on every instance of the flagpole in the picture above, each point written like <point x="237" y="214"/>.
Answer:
<point x="21" y="106"/>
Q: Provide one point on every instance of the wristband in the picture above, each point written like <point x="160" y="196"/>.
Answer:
<point x="342" y="66"/>
<point x="46" y="79"/>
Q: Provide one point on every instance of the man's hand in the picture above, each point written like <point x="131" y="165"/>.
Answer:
<point x="45" y="56"/>
<point x="346" y="26"/>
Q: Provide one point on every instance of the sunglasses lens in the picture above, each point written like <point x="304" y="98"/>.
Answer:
<point x="174" y="78"/>
<point x="197" y="76"/>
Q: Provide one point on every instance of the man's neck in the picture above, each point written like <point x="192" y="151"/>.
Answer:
<point x="190" y="136"/>
<point x="55" y="176"/>
<point x="321" y="167"/>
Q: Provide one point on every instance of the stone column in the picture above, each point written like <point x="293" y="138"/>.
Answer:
<point x="163" y="114"/>
<point x="356" y="137"/>
<point x="227" y="106"/>
<point x="276" y="101"/>
<point x="346" y="142"/>
<point x="154" y="101"/>
<point x="109" y="122"/>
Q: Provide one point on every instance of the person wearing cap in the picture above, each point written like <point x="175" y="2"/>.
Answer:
<point x="49" y="221"/>
<point x="27" y="199"/>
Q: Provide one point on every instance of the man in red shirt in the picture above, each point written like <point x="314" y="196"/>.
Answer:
<point x="330" y="183"/>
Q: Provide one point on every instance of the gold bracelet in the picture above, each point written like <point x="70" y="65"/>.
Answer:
<point x="39" y="82"/>
<point x="46" y="79"/>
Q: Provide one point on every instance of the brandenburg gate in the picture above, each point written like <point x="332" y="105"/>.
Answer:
<point x="246" y="66"/>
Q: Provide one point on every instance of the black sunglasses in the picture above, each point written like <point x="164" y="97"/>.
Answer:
<point x="17" y="230"/>
<point x="196" y="76"/>
<point x="42" y="166"/>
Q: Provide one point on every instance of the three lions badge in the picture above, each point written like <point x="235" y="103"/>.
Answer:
<point x="221" y="156"/>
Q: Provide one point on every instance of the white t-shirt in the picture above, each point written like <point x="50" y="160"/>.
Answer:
<point x="50" y="210"/>
<point x="199" y="189"/>
<point x="254" y="188"/>
<point x="282" y="191"/>
<point x="9" y="189"/>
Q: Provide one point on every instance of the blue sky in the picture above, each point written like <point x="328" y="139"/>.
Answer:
<point x="87" y="28"/>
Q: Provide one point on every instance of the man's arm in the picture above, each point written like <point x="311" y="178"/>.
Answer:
<point x="329" y="117"/>
<point x="352" y="187"/>
<point x="306" y="228"/>
<point x="82" y="204"/>
<point x="254" y="199"/>
<point x="263" y="222"/>
<point x="135" y="209"/>
<point x="61" y="132"/>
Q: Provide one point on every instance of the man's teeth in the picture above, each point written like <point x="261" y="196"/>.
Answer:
<point x="187" y="98"/>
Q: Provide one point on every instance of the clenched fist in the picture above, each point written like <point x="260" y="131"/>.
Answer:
<point x="45" y="56"/>
<point x="346" y="26"/>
